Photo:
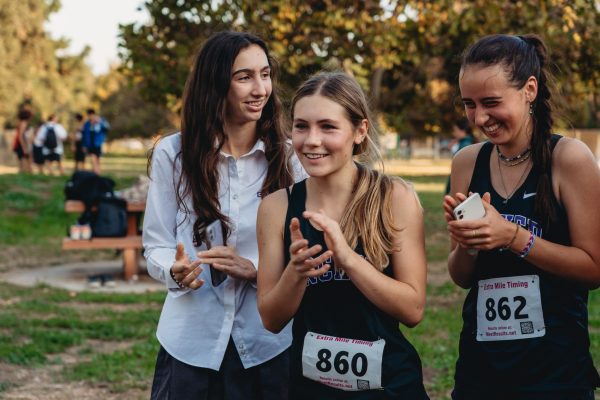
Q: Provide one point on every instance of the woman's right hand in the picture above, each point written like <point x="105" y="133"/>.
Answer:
<point x="301" y="257"/>
<point x="185" y="271"/>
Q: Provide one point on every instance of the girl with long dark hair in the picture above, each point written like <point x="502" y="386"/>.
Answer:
<point x="231" y="152"/>
<point x="525" y="320"/>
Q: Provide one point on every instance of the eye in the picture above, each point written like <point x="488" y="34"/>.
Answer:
<point x="243" y="78"/>
<point x="469" y="104"/>
<point x="490" y="104"/>
<point x="266" y="74"/>
<point x="300" y="126"/>
<point x="328" y="127"/>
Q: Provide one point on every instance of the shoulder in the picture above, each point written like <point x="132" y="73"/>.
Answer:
<point x="571" y="154"/>
<point x="273" y="208"/>
<point x="298" y="172"/>
<point x="404" y="195"/>
<point x="168" y="146"/>
<point x="467" y="155"/>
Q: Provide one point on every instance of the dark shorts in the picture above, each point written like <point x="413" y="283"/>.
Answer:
<point x="174" y="379"/>
<point x="53" y="157"/>
<point x="95" y="150"/>
<point x="38" y="155"/>
<point x="19" y="152"/>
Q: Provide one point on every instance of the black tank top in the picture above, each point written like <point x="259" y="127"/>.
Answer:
<point x="332" y="305"/>
<point x="549" y="367"/>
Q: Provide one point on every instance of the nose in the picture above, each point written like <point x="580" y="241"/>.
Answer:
<point x="313" y="138"/>
<point x="480" y="116"/>
<point x="259" y="88"/>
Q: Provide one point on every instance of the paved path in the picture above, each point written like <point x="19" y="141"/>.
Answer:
<point x="75" y="277"/>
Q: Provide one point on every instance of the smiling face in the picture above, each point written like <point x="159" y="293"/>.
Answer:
<point x="250" y="86"/>
<point x="323" y="136"/>
<point x="498" y="109"/>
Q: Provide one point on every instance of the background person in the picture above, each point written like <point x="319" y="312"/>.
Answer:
<point x="230" y="153"/>
<point x="52" y="148"/>
<point x="77" y="143"/>
<point x="22" y="144"/>
<point x="462" y="134"/>
<point x="525" y="321"/>
<point x="356" y="264"/>
<point x="93" y="136"/>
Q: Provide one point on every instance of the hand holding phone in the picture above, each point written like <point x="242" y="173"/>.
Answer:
<point x="214" y="237"/>
<point x="470" y="209"/>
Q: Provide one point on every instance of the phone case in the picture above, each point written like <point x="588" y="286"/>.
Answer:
<point x="470" y="209"/>
<point x="214" y="237"/>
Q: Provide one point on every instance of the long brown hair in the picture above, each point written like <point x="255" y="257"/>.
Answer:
<point x="202" y="135"/>
<point x="368" y="217"/>
<point x="523" y="57"/>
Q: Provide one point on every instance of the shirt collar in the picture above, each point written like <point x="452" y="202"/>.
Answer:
<point x="258" y="146"/>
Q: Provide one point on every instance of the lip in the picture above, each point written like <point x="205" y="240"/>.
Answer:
<point x="314" y="157"/>
<point x="255" y="105"/>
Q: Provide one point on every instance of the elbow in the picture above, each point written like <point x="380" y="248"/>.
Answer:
<point x="271" y="325"/>
<point x="415" y="317"/>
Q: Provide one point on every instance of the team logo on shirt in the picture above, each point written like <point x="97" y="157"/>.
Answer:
<point x="527" y="223"/>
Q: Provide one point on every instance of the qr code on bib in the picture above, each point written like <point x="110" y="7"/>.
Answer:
<point x="362" y="384"/>
<point x="526" y="327"/>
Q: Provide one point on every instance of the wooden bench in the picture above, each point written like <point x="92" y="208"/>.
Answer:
<point x="130" y="244"/>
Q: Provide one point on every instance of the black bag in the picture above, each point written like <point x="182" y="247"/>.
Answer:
<point x="89" y="188"/>
<point x="51" y="142"/>
<point x="110" y="218"/>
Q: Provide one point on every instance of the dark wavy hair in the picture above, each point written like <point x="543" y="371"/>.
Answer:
<point x="522" y="57"/>
<point x="202" y="135"/>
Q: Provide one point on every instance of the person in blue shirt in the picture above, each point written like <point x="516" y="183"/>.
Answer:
<point x="94" y="133"/>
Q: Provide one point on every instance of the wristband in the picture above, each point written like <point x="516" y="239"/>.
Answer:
<point x="507" y="247"/>
<point x="528" y="246"/>
<point x="175" y="279"/>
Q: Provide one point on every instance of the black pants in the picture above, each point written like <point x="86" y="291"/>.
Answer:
<point x="174" y="380"/>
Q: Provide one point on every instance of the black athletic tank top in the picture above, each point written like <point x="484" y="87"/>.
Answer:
<point x="332" y="305"/>
<point x="557" y="365"/>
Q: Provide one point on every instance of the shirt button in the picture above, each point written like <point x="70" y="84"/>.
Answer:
<point x="235" y="196"/>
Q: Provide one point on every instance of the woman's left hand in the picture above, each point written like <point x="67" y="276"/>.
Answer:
<point x="226" y="259"/>
<point x="487" y="233"/>
<point x="334" y="238"/>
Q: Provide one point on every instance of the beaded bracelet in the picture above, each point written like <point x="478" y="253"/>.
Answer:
<point x="528" y="246"/>
<point x="175" y="279"/>
<point x="506" y="247"/>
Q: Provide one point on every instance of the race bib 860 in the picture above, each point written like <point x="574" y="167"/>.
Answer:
<point x="345" y="364"/>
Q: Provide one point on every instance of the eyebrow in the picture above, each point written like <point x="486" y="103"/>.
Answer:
<point x="492" y="98"/>
<point x="250" y="71"/>
<point x="321" y="121"/>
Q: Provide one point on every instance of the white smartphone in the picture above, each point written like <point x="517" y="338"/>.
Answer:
<point x="214" y="237"/>
<point x="470" y="209"/>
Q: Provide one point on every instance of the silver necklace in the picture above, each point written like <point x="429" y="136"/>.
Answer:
<point x="516" y="160"/>
<point x="509" y="195"/>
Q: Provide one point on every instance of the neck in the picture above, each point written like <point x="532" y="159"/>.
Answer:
<point x="519" y="144"/>
<point x="239" y="139"/>
<point x="331" y="193"/>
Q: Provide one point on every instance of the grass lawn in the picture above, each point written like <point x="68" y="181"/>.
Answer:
<point x="105" y="343"/>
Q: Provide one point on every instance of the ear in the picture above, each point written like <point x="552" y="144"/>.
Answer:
<point x="531" y="89"/>
<point x="362" y="131"/>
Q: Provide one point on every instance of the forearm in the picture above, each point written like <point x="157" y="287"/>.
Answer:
<point x="461" y="266"/>
<point x="568" y="262"/>
<point x="279" y="305"/>
<point x="398" y="299"/>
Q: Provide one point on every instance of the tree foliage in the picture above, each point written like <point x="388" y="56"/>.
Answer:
<point x="405" y="54"/>
<point x="31" y="67"/>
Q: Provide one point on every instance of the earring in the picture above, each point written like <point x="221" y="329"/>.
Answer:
<point x="530" y="108"/>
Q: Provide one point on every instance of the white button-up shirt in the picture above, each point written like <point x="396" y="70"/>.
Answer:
<point x="195" y="326"/>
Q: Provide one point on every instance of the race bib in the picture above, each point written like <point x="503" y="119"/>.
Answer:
<point x="510" y="308"/>
<point x="345" y="364"/>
